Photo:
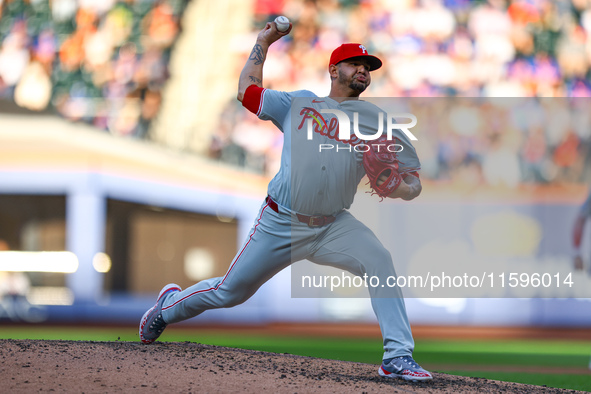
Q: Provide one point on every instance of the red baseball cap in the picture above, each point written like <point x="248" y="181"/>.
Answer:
<point x="347" y="51"/>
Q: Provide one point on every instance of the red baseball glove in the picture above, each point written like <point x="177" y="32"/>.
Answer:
<point x="381" y="161"/>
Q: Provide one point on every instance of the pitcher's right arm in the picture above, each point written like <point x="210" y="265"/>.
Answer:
<point x="252" y="73"/>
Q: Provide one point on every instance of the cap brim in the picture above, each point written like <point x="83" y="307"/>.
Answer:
<point x="374" y="62"/>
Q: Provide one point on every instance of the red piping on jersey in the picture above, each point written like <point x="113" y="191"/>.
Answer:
<point x="253" y="99"/>
<point x="231" y="267"/>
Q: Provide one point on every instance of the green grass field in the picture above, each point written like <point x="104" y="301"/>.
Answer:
<point x="538" y="362"/>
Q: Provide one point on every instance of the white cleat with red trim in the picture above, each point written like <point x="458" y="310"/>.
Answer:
<point x="152" y="323"/>
<point x="406" y="368"/>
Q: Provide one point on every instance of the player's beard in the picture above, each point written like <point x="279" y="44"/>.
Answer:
<point x="352" y="83"/>
<point x="357" y="86"/>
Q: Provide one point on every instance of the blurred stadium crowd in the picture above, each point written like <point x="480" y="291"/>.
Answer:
<point x="105" y="62"/>
<point x="443" y="48"/>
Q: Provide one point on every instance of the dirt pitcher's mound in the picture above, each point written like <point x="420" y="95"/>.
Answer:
<point x="28" y="366"/>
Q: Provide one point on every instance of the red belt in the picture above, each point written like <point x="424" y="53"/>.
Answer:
<point x="311" y="221"/>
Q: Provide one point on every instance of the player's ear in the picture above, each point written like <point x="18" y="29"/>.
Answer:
<point x="333" y="71"/>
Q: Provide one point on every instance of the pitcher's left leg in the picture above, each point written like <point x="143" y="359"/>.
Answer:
<point x="348" y="244"/>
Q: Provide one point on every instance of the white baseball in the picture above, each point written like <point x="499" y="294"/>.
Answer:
<point x="282" y="23"/>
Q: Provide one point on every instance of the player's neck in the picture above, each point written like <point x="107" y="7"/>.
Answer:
<point x="342" y="96"/>
<point x="340" y="93"/>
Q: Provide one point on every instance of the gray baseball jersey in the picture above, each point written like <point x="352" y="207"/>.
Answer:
<point x="319" y="174"/>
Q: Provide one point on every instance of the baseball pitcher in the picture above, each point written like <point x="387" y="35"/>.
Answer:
<point x="578" y="231"/>
<point x="305" y="214"/>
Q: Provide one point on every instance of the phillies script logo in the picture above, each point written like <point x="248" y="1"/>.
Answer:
<point x="339" y="129"/>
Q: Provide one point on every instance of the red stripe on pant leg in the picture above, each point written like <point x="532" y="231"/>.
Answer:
<point x="231" y="267"/>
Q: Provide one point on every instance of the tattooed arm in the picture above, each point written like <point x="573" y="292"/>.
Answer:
<point x="252" y="73"/>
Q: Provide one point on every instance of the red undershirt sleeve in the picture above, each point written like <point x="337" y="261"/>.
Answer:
<point x="253" y="99"/>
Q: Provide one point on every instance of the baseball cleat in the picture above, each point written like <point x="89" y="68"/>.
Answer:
<point x="152" y="323"/>
<point x="404" y="367"/>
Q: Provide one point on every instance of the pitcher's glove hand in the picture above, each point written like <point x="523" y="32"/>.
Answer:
<point x="381" y="166"/>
